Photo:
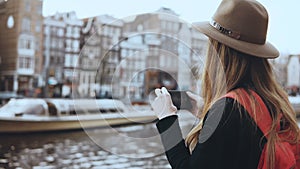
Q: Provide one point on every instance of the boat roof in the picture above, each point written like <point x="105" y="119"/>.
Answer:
<point x="87" y="104"/>
<point x="23" y="106"/>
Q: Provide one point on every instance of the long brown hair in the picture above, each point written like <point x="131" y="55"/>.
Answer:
<point x="227" y="69"/>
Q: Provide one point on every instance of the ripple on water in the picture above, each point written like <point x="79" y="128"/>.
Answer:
<point x="80" y="160"/>
<point x="44" y="167"/>
<point x="66" y="152"/>
<point x="120" y="165"/>
<point x="49" y="159"/>
<point x="102" y="153"/>
<point x="85" y="165"/>
<point x="3" y="161"/>
<point x="97" y="163"/>
<point x="95" y="158"/>
<point x="67" y="162"/>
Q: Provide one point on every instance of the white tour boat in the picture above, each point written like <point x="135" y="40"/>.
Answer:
<point x="37" y="115"/>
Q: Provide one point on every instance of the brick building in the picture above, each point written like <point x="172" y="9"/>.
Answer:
<point x="21" y="45"/>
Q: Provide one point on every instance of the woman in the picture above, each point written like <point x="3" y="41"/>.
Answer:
<point x="237" y="58"/>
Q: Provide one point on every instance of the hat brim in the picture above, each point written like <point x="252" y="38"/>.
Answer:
<point x="266" y="50"/>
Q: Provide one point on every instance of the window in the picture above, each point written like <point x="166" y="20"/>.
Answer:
<point x="71" y="60"/>
<point x="53" y="31"/>
<point x="69" y="31"/>
<point x="38" y="26"/>
<point x="25" y="62"/>
<point x="46" y="30"/>
<point x="53" y="43"/>
<point x="28" y="44"/>
<point x="25" y="44"/>
<point x="68" y="60"/>
<point x="27" y="5"/>
<point x="68" y="74"/>
<point x="76" y="32"/>
<point x="26" y="23"/>
<point x="61" y="60"/>
<point x="58" y="73"/>
<point x="22" y="63"/>
<point x="28" y="62"/>
<point x="75" y="45"/>
<point x="62" y="44"/>
<point x="74" y="60"/>
<point x="52" y="60"/>
<point x="68" y="44"/>
<point x="60" y="32"/>
<point x="39" y="9"/>
<point x="37" y="45"/>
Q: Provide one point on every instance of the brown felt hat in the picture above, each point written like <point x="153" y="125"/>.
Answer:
<point x="242" y="25"/>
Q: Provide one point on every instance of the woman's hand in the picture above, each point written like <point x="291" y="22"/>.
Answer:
<point x="162" y="104"/>
<point x="197" y="103"/>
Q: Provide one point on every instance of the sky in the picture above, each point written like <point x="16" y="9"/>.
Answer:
<point x="284" y="19"/>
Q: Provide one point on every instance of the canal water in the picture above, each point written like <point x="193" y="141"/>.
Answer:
<point x="126" y="147"/>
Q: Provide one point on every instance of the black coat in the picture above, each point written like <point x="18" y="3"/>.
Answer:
<point x="230" y="139"/>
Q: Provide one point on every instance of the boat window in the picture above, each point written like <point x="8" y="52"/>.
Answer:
<point x="80" y="112"/>
<point x="73" y="112"/>
<point x="77" y="112"/>
<point x="63" y="113"/>
<point x="52" y="109"/>
<point x="113" y="110"/>
<point x="93" y="111"/>
<point x="103" y="110"/>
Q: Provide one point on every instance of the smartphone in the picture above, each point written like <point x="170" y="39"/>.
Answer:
<point x="180" y="99"/>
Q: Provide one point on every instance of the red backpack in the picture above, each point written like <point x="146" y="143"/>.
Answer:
<point x="287" y="156"/>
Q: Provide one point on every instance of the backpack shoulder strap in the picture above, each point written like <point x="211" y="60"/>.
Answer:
<point x="285" y="155"/>
<point x="257" y="110"/>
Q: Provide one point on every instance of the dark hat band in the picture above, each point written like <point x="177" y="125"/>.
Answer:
<point x="223" y="30"/>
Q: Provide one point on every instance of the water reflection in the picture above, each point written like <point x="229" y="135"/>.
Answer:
<point x="66" y="150"/>
<point x="138" y="148"/>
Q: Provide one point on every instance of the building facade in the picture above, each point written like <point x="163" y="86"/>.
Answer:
<point x="111" y="33"/>
<point x="131" y="69"/>
<point x="89" y="58"/>
<point x="173" y="48"/>
<point x="72" y="42"/>
<point x="100" y="55"/>
<point x="21" y="46"/>
<point x="280" y="69"/>
<point x="293" y="69"/>
<point x="54" y="54"/>
<point x="61" y="53"/>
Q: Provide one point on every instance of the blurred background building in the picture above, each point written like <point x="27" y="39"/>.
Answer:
<point x="61" y="53"/>
<point x="21" y="45"/>
<point x="169" y="51"/>
<point x="100" y="55"/>
<point x="293" y="75"/>
<point x="54" y="54"/>
<point x="103" y="56"/>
